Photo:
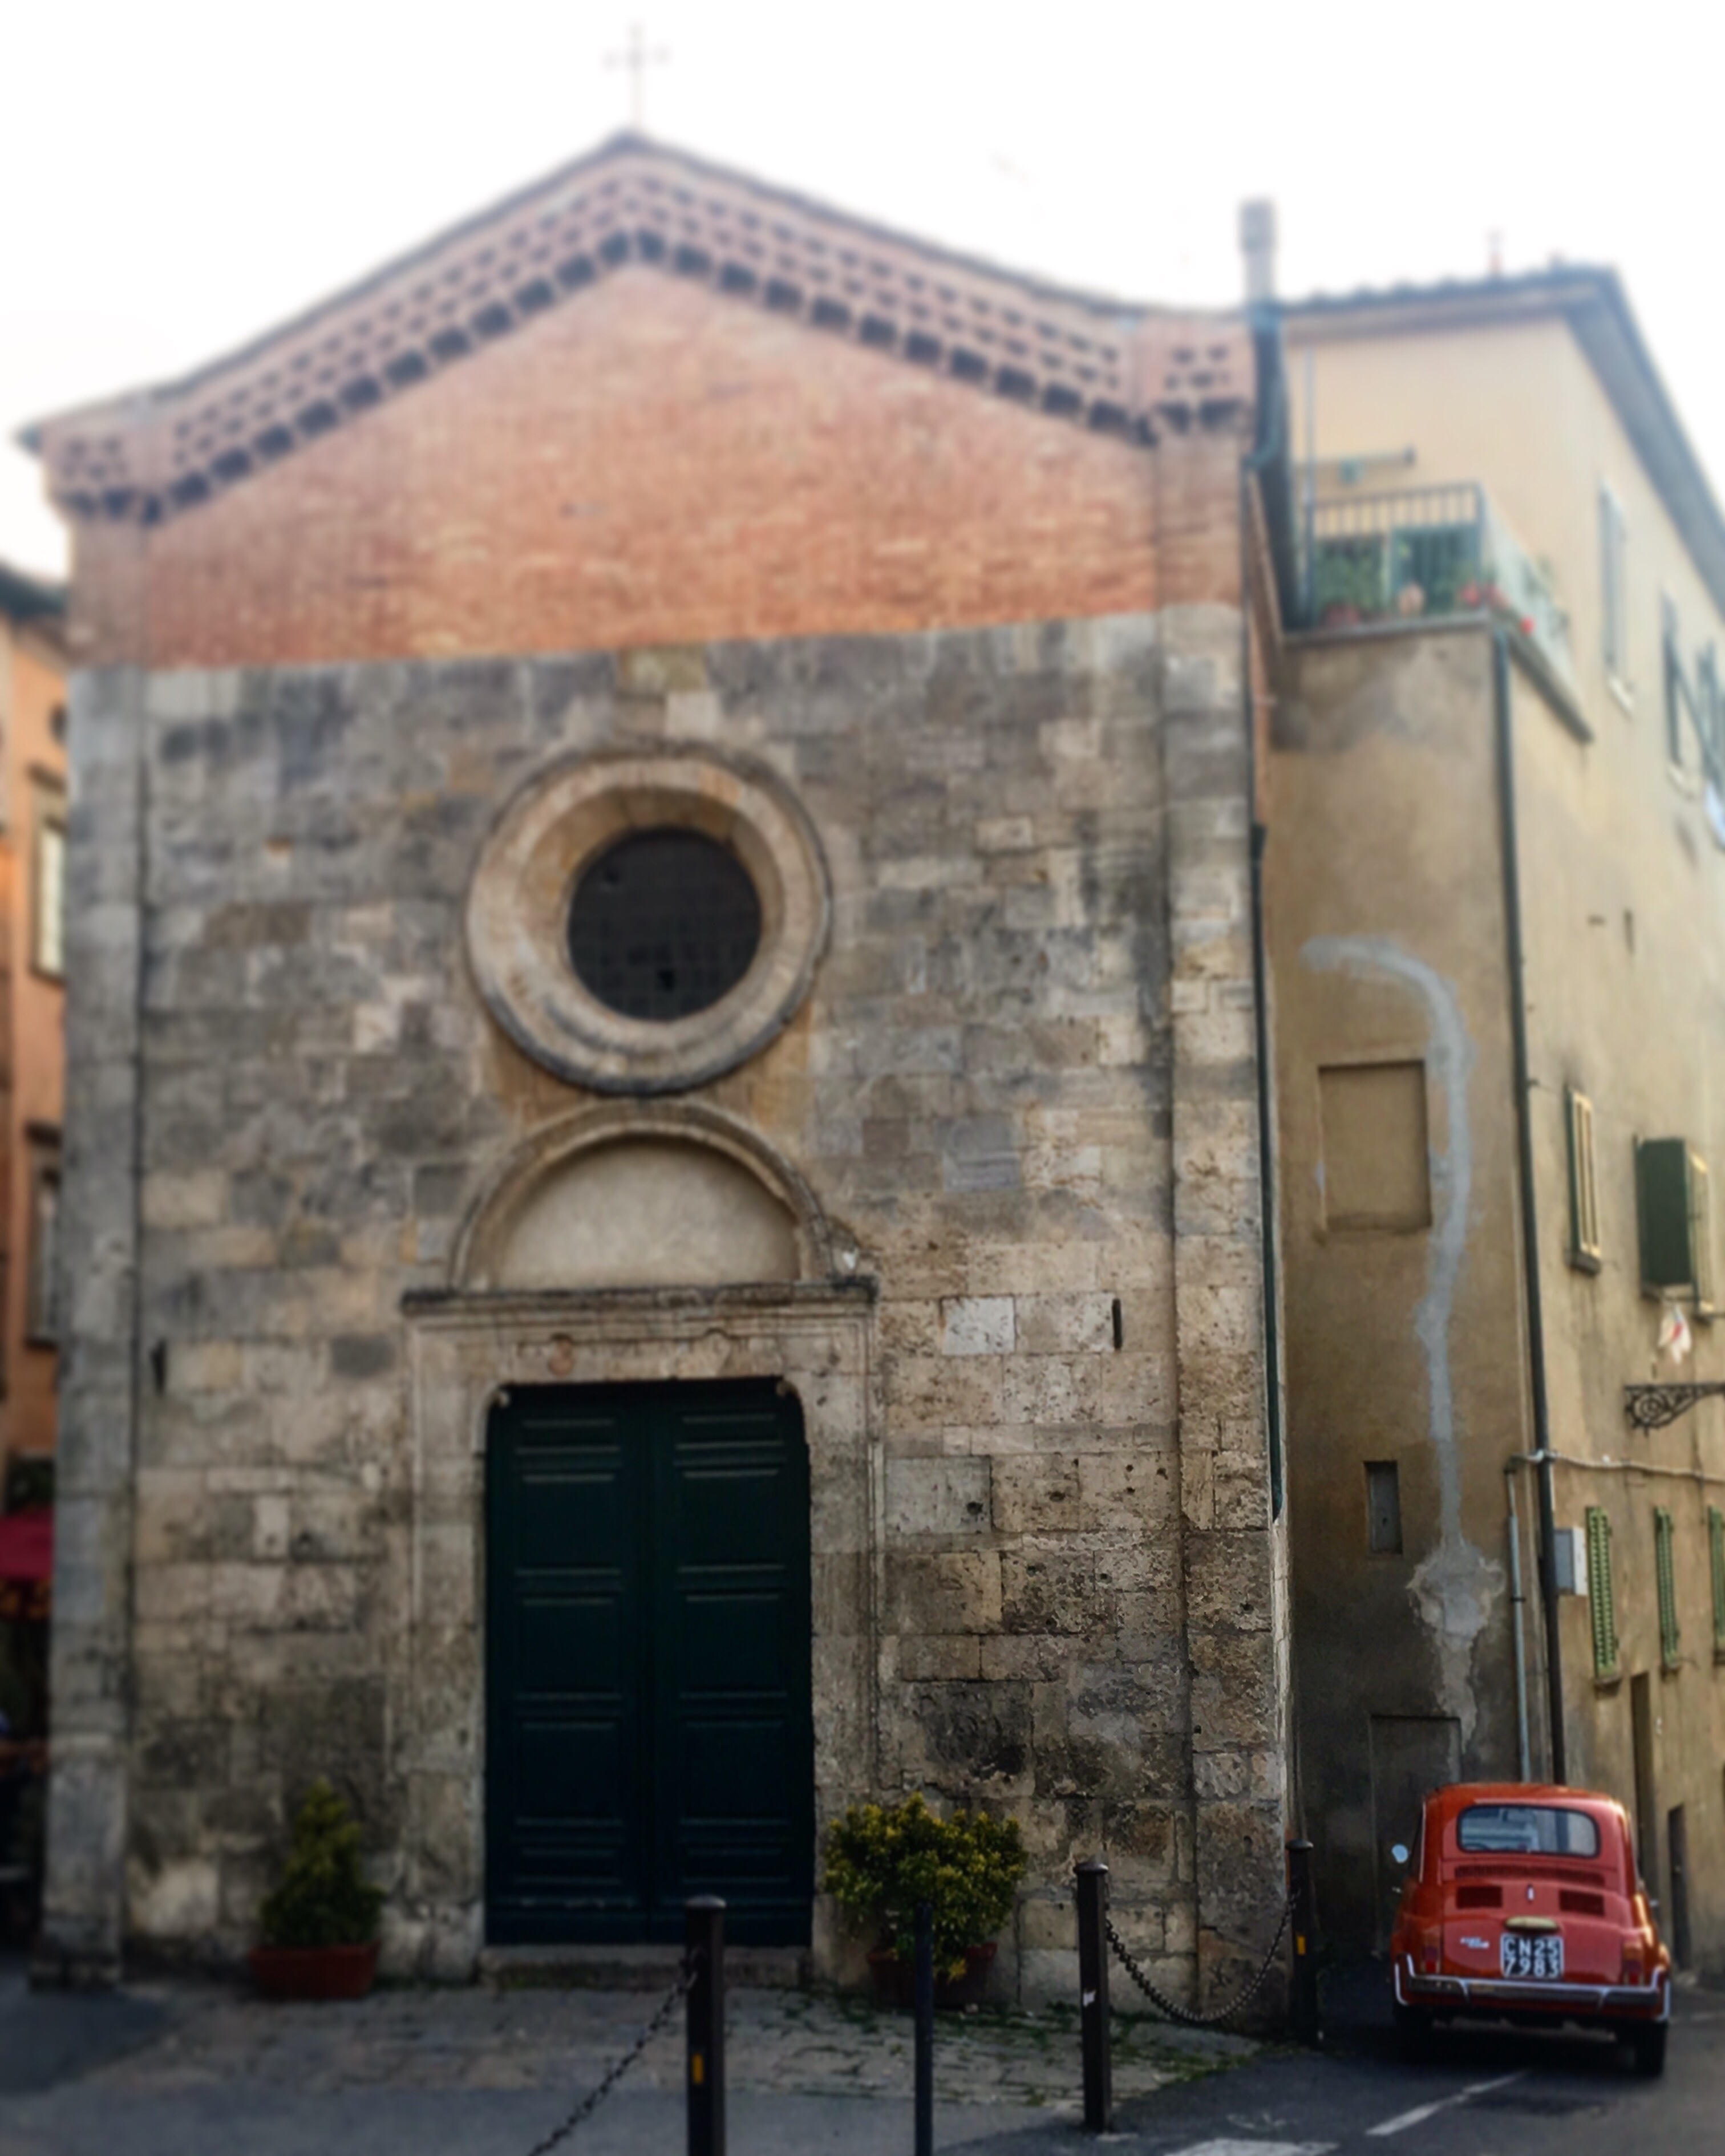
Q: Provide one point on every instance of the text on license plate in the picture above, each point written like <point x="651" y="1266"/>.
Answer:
<point x="1537" y="1954"/>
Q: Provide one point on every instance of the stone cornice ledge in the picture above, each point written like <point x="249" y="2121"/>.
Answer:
<point x="457" y="1309"/>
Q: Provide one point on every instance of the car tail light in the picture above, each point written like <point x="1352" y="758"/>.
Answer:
<point x="1634" y="1966"/>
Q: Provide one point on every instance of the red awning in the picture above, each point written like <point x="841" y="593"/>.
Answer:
<point x="27" y="1546"/>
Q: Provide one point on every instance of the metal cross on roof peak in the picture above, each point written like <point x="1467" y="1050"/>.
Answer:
<point x="638" y="56"/>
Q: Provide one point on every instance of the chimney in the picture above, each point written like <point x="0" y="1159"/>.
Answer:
<point x="1257" y="244"/>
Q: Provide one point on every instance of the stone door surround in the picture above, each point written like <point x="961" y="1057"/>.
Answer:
<point x="814" y="1335"/>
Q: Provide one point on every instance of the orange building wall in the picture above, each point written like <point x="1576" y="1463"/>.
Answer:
<point x="655" y="462"/>
<point x="29" y="748"/>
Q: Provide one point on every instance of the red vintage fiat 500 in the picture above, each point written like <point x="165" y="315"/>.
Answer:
<point x="1524" y="1901"/>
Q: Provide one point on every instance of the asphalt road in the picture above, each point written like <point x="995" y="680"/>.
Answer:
<point x="1478" y="2092"/>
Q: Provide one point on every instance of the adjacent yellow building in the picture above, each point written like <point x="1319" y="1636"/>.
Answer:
<point x="1495" y="887"/>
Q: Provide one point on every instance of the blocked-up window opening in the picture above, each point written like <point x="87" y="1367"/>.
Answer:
<point x="1377" y="1170"/>
<point x="1584" y="1245"/>
<point x="1384" y="1508"/>
<point x="1602" y="1608"/>
<point x="1665" y="1565"/>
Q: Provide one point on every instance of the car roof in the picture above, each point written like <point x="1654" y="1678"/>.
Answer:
<point x="1455" y="1796"/>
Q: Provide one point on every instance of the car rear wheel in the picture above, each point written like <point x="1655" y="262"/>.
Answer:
<point x="1413" y="2026"/>
<point x="1648" y="2045"/>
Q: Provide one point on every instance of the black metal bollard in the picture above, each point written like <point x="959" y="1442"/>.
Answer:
<point x="1302" y="1988"/>
<point x="1093" y="1996"/>
<point x="924" y="2030"/>
<point x="704" y="1938"/>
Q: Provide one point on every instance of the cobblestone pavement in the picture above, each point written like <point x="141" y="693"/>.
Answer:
<point x="781" y="2042"/>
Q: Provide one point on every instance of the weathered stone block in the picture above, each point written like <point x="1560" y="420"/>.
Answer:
<point x="957" y="1592"/>
<point x="942" y="1496"/>
<point x="1035" y="1493"/>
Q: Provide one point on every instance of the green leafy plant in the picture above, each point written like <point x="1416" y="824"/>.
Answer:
<point x="1348" y="577"/>
<point x="883" y="1859"/>
<point x="323" y="1900"/>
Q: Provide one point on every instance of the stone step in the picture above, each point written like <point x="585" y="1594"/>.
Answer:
<point x="637" y="1968"/>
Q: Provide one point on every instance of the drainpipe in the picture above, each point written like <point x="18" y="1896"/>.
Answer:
<point x="1271" y="444"/>
<point x="1517" y="1610"/>
<point x="1530" y="1218"/>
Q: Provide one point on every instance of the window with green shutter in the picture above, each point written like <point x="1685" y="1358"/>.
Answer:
<point x="1715" y="1534"/>
<point x="1664" y="1569"/>
<point x="1674" y="1201"/>
<point x="1601" y="1608"/>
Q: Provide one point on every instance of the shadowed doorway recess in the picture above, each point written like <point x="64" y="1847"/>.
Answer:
<point x="649" y="1724"/>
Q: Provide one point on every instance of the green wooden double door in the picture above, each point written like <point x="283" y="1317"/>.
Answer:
<point x="650" y="1732"/>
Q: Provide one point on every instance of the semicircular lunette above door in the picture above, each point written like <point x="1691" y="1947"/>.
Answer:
<point x="647" y="1213"/>
<point x="675" y="1197"/>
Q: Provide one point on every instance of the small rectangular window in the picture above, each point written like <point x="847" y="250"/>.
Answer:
<point x="41" y="1316"/>
<point x="1384" y="1508"/>
<point x="1715" y="1535"/>
<point x="1670" y="638"/>
<point x="47" y="894"/>
<point x="1602" y="1607"/>
<point x="1613" y="586"/>
<point x="1664" y="1569"/>
<point x="1570" y="1556"/>
<point x="1585" y="1247"/>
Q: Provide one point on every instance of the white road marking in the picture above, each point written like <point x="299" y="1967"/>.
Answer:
<point x="1418" y="2117"/>
<point x="1238" y="2147"/>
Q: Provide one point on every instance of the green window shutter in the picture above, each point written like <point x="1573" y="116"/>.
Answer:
<point x="1716" y="1534"/>
<point x="1665" y="1566"/>
<point x="1601" y="1607"/>
<point x="1663" y="1201"/>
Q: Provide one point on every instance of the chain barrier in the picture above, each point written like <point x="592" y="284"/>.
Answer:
<point x="596" y="2096"/>
<point x="1185" y="2013"/>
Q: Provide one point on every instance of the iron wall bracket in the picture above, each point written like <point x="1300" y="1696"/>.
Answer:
<point x="1651" y="1407"/>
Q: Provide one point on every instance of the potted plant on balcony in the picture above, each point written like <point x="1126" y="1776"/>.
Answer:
<point x="319" y="1925"/>
<point x="882" y="1860"/>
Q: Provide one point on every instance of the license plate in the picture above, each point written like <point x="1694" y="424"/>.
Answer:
<point x="1537" y="1955"/>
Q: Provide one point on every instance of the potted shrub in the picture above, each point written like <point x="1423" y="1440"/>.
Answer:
<point x="320" y="1925"/>
<point x="883" y="1859"/>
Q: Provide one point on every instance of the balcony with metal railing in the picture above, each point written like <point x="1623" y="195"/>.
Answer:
<point x="1422" y="554"/>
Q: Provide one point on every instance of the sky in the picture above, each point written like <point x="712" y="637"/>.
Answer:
<point x="177" y="176"/>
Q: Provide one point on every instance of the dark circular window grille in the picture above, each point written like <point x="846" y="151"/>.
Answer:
<point x="663" y="924"/>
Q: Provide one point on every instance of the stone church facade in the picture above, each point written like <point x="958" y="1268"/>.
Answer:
<point x="662" y="1163"/>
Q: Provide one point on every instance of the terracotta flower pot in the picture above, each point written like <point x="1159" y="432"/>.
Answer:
<point x="314" y="1972"/>
<point x="896" y="1980"/>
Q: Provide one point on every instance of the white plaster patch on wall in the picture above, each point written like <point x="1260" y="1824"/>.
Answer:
<point x="1455" y="1586"/>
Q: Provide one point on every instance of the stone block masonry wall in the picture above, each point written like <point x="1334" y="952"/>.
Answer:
<point x="91" y="1673"/>
<point x="1023" y="1088"/>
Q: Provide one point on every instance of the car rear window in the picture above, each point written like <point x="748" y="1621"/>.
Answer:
<point x="1527" y="1830"/>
